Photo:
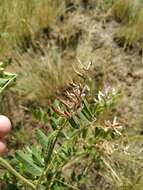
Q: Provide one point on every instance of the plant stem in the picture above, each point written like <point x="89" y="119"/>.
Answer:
<point x="50" y="152"/>
<point x="6" y="165"/>
<point x="53" y="145"/>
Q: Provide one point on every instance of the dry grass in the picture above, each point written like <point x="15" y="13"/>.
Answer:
<point x="22" y="20"/>
<point x="20" y="23"/>
<point x="42" y="76"/>
<point x="130" y="14"/>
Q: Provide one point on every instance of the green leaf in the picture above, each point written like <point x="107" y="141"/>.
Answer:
<point x="3" y="81"/>
<point x="39" y="114"/>
<point x="83" y="118"/>
<point x="42" y="139"/>
<point x="27" y="161"/>
<point x="74" y="123"/>
<point x="51" y="139"/>
<point x="52" y="136"/>
<point x="87" y="109"/>
<point x="6" y="79"/>
<point x="54" y="123"/>
<point x="36" y="155"/>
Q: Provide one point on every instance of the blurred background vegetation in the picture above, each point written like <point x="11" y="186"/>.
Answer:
<point x="44" y="42"/>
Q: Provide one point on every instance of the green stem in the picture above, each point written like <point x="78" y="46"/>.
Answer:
<point x="53" y="145"/>
<point x="6" y="165"/>
<point x="50" y="152"/>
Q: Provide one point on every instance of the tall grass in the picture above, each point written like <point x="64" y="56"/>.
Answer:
<point x="20" y="20"/>
<point x="130" y="14"/>
<point x="42" y="76"/>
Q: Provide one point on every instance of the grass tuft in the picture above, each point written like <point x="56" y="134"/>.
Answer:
<point x="44" y="75"/>
<point x="130" y="14"/>
<point x="22" y="20"/>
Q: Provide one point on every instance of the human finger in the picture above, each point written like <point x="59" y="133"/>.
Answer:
<point x="3" y="147"/>
<point x="5" y="126"/>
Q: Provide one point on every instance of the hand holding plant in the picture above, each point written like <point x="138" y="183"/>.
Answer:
<point x="6" y="79"/>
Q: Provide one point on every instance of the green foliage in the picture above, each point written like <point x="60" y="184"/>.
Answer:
<point x="6" y="78"/>
<point x="65" y="156"/>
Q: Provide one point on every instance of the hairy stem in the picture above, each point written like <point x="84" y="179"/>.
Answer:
<point x="6" y="165"/>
